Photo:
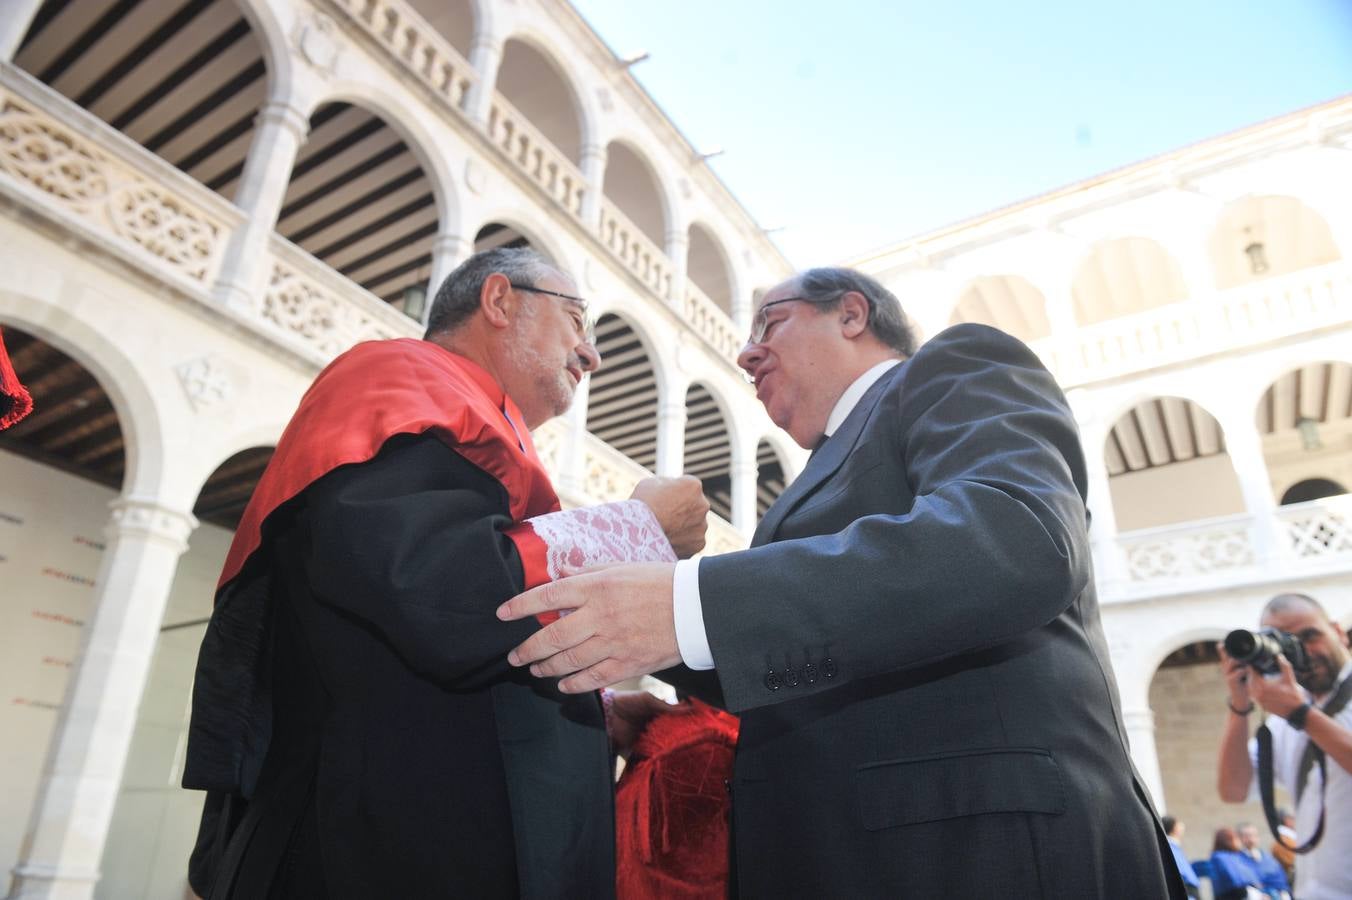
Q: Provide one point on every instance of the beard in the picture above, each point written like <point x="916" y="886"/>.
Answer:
<point x="1321" y="677"/>
<point x="551" y="383"/>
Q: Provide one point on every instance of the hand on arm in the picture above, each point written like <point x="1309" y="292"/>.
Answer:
<point x="620" y="626"/>
<point x="681" y="508"/>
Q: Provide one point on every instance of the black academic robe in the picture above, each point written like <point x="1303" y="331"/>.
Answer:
<point x="407" y="758"/>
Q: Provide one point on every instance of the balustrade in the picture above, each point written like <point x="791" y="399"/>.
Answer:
<point x="417" y="46"/>
<point x="709" y="321"/>
<point x="532" y="153"/>
<point x="632" y="247"/>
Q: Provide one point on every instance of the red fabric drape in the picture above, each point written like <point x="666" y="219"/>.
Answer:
<point x="672" y="808"/>
<point x="15" y="401"/>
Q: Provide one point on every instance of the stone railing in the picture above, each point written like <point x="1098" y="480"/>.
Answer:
<point x="102" y="184"/>
<point x="633" y="248"/>
<point x="419" y="47"/>
<point x="321" y="312"/>
<point x="1319" y="530"/>
<point x="1308" y="537"/>
<point x="532" y="153"/>
<point x="709" y="321"/>
<point x="1278" y="307"/>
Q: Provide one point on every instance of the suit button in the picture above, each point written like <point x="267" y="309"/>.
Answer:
<point x="773" y="681"/>
<point x="829" y="668"/>
<point x="791" y="677"/>
<point x="810" y="673"/>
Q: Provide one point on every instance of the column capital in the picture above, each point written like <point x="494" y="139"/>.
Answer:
<point x="486" y="42"/>
<point x="152" y="520"/>
<point x="287" y="115"/>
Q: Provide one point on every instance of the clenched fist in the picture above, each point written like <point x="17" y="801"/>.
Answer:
<point x="681" y="509"/>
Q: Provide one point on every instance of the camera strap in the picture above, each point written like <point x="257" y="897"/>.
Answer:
<point x="1312" y="756"/>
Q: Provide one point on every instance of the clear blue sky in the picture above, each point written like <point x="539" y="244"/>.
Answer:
<point x="856" y="123"/>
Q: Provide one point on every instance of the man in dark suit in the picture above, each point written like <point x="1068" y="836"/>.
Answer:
<point x="913" y="640"/>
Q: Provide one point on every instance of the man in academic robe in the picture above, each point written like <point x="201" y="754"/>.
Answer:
<point x="354" y="718"/>
<point x="913" y="639"/>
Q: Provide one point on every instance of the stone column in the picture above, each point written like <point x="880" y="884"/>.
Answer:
<point x="1140" y="724"/>
<point x="744" y="474"/>
<point x="593" y="166"/>
<point x="1110" y="566"/>
<point x="16" y="16"/>
<point x="1245" y="447"/>
<point x="448" y="251"/>
<point x="280" y="129"/>
<point x="80" y="785"/>
<point x="485" y="56"/>
<point x="671" y="416"/>
<point x="678" y="254"/>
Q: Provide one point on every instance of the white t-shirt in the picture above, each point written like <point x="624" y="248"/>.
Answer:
<point x="1326" y="872"/>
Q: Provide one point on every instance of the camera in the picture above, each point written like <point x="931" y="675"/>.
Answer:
<point x="1260" y="649"/>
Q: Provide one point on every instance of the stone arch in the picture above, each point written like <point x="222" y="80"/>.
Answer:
<point x="127" y="388"/>
<point x="771" y="475"/>
<point x="185" y="84"/>
<point x="1311" y="489"/>
<point x="1263" y="236"/>
<point x="514" y="228"/>
<point x="633" y="184"/>
<point x="366" y="197"/>
<point x="625" y="393"/>
<point x="540" y="86"/>
<point x="1124" y="276"/>
<point x="1304" y="419"/>
<point x="1007" y="302"/>
<point x="709" y="439"/>
<point x="1167" y="463"/>
<point x="710" y="268"/>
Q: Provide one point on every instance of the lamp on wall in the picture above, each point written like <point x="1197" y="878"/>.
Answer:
<point x="415" y="295"/>
<point x="1257" y="254"/>
<point x="1309" y="433"/>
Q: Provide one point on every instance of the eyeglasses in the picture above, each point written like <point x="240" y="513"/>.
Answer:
<point x="586" y="328"/>
<point x="760" y="323"/>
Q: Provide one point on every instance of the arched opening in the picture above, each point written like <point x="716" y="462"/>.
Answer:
<point x="1305" y="418"/>
<point x="622" y="399"/>
<point x="770" y="480"/>
<point x="708" y="453"/>
<point x="453" y="20"/>
<point x="59" y="469"/>
<point x="1006" y="302"/>
<point x="1167" y="464"/>
<point x="632" y="186"/>
<point x="1261" y="237"/>
<point x="708" y="267"/>
<point x="541" y="92"/>
<point x="1125" y="276"/>
<point x="360" y="201"/>
<point x="154" y="820"/>
<point x="185" y="81"/>
<point x="499" y="234"/>
<point x="1311" y="489"/>
<point x="1186" y="698"/>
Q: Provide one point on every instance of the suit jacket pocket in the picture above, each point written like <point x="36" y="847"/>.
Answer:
<point x="910" y="791"/>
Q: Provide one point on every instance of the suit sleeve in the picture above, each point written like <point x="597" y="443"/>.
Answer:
<point x="413" y="543"/>
<point x="993" y="546"/>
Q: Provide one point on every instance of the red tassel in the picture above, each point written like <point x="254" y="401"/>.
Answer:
<point x="672" y="806"/>
<point x="15" y="401"/>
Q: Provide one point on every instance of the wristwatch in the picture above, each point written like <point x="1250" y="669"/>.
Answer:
<point x="1298" y="715"/>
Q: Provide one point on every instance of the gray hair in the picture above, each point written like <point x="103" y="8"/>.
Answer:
<point x="458" y="297"/>
<point x="885" y="319"/>
<point x="1284" y="603"/>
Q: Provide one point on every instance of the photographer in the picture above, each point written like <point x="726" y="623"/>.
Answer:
<point x="1295" y="705"/>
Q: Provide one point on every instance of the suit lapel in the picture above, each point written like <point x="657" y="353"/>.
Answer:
<point x="826" y="460"/>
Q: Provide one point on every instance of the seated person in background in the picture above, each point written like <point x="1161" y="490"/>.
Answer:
<point x="1270" y="871"/>
<point x="1233" y="875"/>
<point x="1173" y="829"/>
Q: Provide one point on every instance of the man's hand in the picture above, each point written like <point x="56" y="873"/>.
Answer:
<point x="681" y="509"/>
<point x="1280" y="695"/>
<point x="620" y="625"/>
<point x="630" y="713"/>
<point x="1236" y="679"/>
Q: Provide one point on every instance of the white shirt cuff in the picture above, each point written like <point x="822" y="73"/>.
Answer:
<point x="689" y="615"/>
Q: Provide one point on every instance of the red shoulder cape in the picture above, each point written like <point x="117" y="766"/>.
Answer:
<point x="15" y="401"/>
<point x="405" y="386"/>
